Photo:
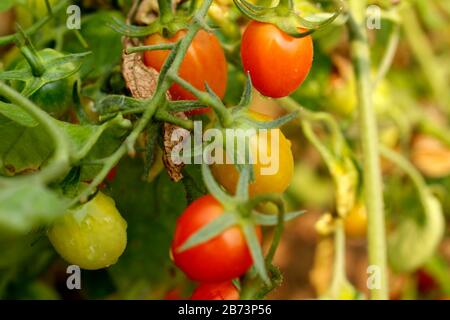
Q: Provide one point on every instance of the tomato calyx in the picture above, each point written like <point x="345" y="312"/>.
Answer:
<point x="285" y="18"/>
<point x="167" y="23"/>
<point x="47" y="77"/>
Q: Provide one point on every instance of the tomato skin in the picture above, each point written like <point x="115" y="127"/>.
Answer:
<point x="92" y="236"/>
<point x="216" y="291"/>
<point x="204" y="62"/>
<point x="355" y="222"/>
<point x="277" y="62"/>
<point x="425" y="282"/>
<point x="111" y="174"/>
<point x="227" y="175"/>
<point x="221" y="258"/>
<point x="174" y="294"/>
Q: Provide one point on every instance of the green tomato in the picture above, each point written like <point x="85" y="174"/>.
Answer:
<point x="54" y="97"/>
<point x="92" y="236"/>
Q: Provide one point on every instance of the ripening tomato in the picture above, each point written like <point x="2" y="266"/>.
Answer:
<point x="425" y="282"/>
<point x="272" y="175"/>
<point x="174" y="294"/>
<point x="356" y="222"/>
<point x="277" y="62"/>
<point x="92" y="236"/>
<point x="216" y="291"/>
<point x="204" y="62"/>
<point x="221" y="258"/>
<point x="111" y="174"/>
<point x="55" y="97"/>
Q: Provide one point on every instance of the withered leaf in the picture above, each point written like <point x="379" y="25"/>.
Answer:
<point x="140" y="80"/>
<point x="174" y="170"/>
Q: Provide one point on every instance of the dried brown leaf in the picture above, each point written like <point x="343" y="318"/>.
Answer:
<point x="140" y="80"/>
<point x="174" y="170"/>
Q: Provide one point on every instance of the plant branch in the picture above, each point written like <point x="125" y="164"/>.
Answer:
<point x="388" y="57"/>
<point x="369" y="140"/>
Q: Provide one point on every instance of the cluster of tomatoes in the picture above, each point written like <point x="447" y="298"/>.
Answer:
<point x="277" y="64"/>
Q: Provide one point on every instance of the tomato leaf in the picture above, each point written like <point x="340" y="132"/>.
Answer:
<point x="105" y="44"/>
<point x="414" y="242"/>
<point x="17" y="115"/>
<point x="26" y="205"/>
<point x="26" y="148"/>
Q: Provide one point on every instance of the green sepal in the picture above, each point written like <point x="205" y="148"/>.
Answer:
<point x="272" y="220"/>
<point x="285" y="18"/>
<point x="209" y="231"/>
<point x="255" y="250"/>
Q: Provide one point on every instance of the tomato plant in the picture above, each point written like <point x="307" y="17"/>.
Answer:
<point x="277" y="62"/>
<point x="92" y="236"/>
<point x="216" y="291"/>
<point x="113" y="87"/>
<point x="204" y="63"/>
<point x="221" y="258"/>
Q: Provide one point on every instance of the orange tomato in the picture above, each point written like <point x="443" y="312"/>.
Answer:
<point x="204" y="62"/>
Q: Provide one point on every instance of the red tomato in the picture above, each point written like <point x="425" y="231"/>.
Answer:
<point x="111" y="174"/>
<point x="174" y="294"/>
<point x="277" y="62"/>
<point x="216" y="291"/>
<point x="425" y="282"/>
<point x="221" y="258"/>
<point x="204" y="62"/>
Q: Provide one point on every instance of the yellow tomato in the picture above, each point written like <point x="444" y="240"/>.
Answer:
<point x="272" y="177"/>
<point x="356" y="222"/>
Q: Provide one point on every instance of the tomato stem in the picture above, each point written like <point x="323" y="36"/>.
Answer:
<point x="369" y="138"/>
<point x="222" y="112"/>
<point x="339" y="279"/>
<point x="165" y="10"/>
<point x="161" y="46"/>
<point x="34" y="61"/>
